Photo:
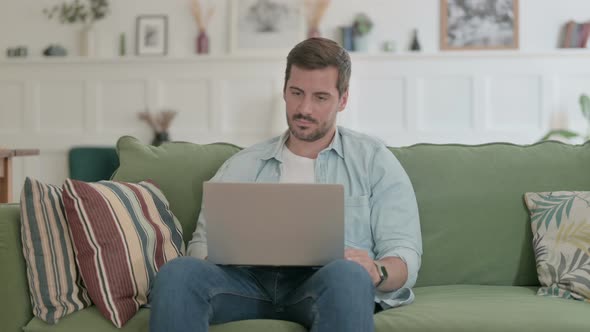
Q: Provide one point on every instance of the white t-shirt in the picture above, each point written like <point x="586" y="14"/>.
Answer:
<point x="296" y="169"/>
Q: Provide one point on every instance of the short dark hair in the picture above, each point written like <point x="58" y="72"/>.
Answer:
<point x="319" y="53"/>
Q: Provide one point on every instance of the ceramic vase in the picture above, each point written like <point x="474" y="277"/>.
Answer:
<point x="160" y="138"/>
<point x="202" y="43"/>
<point x="88" y="38"/>
<point x="360" y="43"/>
<point x="313" y="33"/>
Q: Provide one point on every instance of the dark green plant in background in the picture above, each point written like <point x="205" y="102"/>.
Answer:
<point x="362" y="24"/>
<point x="88" y="11"/>
<point x="568" y="134"/>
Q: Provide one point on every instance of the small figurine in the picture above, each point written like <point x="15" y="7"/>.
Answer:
<point x="389" y="46"/>
<point x="55" y="50"/>
<point x="17" y="52"/>
<point x="415" y="45"/>
<point x="122" y="45"/>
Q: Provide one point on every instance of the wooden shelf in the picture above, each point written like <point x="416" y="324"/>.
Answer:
<point x="272" y="56"/>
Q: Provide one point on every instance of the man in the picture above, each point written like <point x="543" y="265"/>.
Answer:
<point x="382" y="232"/>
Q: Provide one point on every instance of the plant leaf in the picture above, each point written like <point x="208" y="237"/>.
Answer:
<point x="552" y="205"/>
<point x="575" y="234"/>
<point x="561" y="269"/>
<point x="585" y="106"/>
<point x="540" y="250"/>
<point x="560" y="132"/>
<point x="552" y="273"/>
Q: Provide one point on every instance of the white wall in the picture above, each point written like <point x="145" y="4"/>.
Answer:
<point x="22" y="23"/>
<point x="403" y="99"/>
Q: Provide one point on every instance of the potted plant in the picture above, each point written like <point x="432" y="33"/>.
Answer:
<point x="160" y="123"/>
<point x="566" y="134"/>
<point x="85" y="13"/>
<point x="361" y="28"/>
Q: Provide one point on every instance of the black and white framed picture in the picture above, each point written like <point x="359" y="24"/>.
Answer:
<point x="479" y="24"/>
<point x="151" y="35"/>
<point x="263" y="26"/>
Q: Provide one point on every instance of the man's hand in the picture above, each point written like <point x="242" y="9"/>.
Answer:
<point x="362" y="258"/>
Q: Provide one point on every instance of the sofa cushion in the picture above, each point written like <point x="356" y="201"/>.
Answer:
<point x="54" y="282"/>
<point x="475" y="225"/>
<point x="560" y="222"/>
<point x="15" y="307"/>
<point x="179" y="169"/>
<point x="90" y="320"/>
<point x="448" y="308"/>
<point x="122" y="233"/>
<point x="483" y="309"/>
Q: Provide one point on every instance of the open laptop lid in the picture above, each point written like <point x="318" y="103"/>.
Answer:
<point x="286" y="224"/>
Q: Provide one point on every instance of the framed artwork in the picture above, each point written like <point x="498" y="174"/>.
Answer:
<point x="151" y="35"/>
<point x="265" y="26"/>
<point x="479" y="24"/>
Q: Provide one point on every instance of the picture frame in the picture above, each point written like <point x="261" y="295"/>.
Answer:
<point x="151" y="35"/>
<point x="265" y="26"/>
<point x="479" y="25"/>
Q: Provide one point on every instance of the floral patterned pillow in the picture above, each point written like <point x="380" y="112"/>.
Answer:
<point x="561" y="239"/>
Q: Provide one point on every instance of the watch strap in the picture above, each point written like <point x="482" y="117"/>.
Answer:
<point x="382" y="273"/>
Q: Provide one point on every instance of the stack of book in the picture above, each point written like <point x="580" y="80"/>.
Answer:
<point x="576" y="35"/>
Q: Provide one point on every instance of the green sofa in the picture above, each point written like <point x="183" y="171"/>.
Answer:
<point x="478" y="269"/>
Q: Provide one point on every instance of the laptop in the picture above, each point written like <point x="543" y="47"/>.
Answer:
<point x="274" y="224"/>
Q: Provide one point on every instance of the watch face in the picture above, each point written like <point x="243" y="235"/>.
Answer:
<point x="383" y="272"/>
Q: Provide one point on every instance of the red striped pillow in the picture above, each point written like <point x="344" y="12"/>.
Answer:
<point x="122" y="233"/>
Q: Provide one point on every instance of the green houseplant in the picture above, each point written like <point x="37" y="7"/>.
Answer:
<point x="78" y="12"/>
<point x="83" y="12"/>
<point x="568" y="134"/>
<point x="361" y="27"/>
<point x="362" y="24"/>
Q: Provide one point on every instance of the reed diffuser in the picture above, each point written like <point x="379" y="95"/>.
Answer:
<point x="315" y="12"/>
<point x="202" y="19"/>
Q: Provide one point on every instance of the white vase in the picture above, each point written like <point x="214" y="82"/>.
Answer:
<point x="88" y="41"/>
<point x="360" y="43"/>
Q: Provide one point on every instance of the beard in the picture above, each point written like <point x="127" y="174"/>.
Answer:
<point x="303" y="133"/>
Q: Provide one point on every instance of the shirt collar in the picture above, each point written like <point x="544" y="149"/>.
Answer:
<point x="336" y="144"/>
<point x="277" y="151"/>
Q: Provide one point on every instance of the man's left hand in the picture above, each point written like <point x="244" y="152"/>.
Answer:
<point x="362" y="258"/>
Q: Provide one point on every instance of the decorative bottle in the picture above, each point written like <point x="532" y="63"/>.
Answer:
<point x="202" y="42"/>
<point x="415" y="45"/>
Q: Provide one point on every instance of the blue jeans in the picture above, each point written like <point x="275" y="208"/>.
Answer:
<point x="190" y="294"/>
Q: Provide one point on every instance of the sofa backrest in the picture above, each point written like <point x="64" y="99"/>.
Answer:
<point x="475" y="225"/>
<point x="178" y="168"/>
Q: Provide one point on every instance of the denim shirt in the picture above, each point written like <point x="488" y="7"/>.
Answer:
<point x="381" y="213"/>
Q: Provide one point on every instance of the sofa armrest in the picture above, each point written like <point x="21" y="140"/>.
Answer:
<point x="15" y="305"/>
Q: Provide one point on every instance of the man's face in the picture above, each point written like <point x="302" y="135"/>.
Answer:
<point x="312" y="102"/>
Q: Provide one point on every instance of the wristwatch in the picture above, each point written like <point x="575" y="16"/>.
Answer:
<point x="382" y="273"/>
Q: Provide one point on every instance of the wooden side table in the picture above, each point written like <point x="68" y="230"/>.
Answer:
<point x="6" y="156"/>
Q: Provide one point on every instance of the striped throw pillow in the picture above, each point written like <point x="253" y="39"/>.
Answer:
<point x="54" y="282"/>
<point x="122" y="233"/>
